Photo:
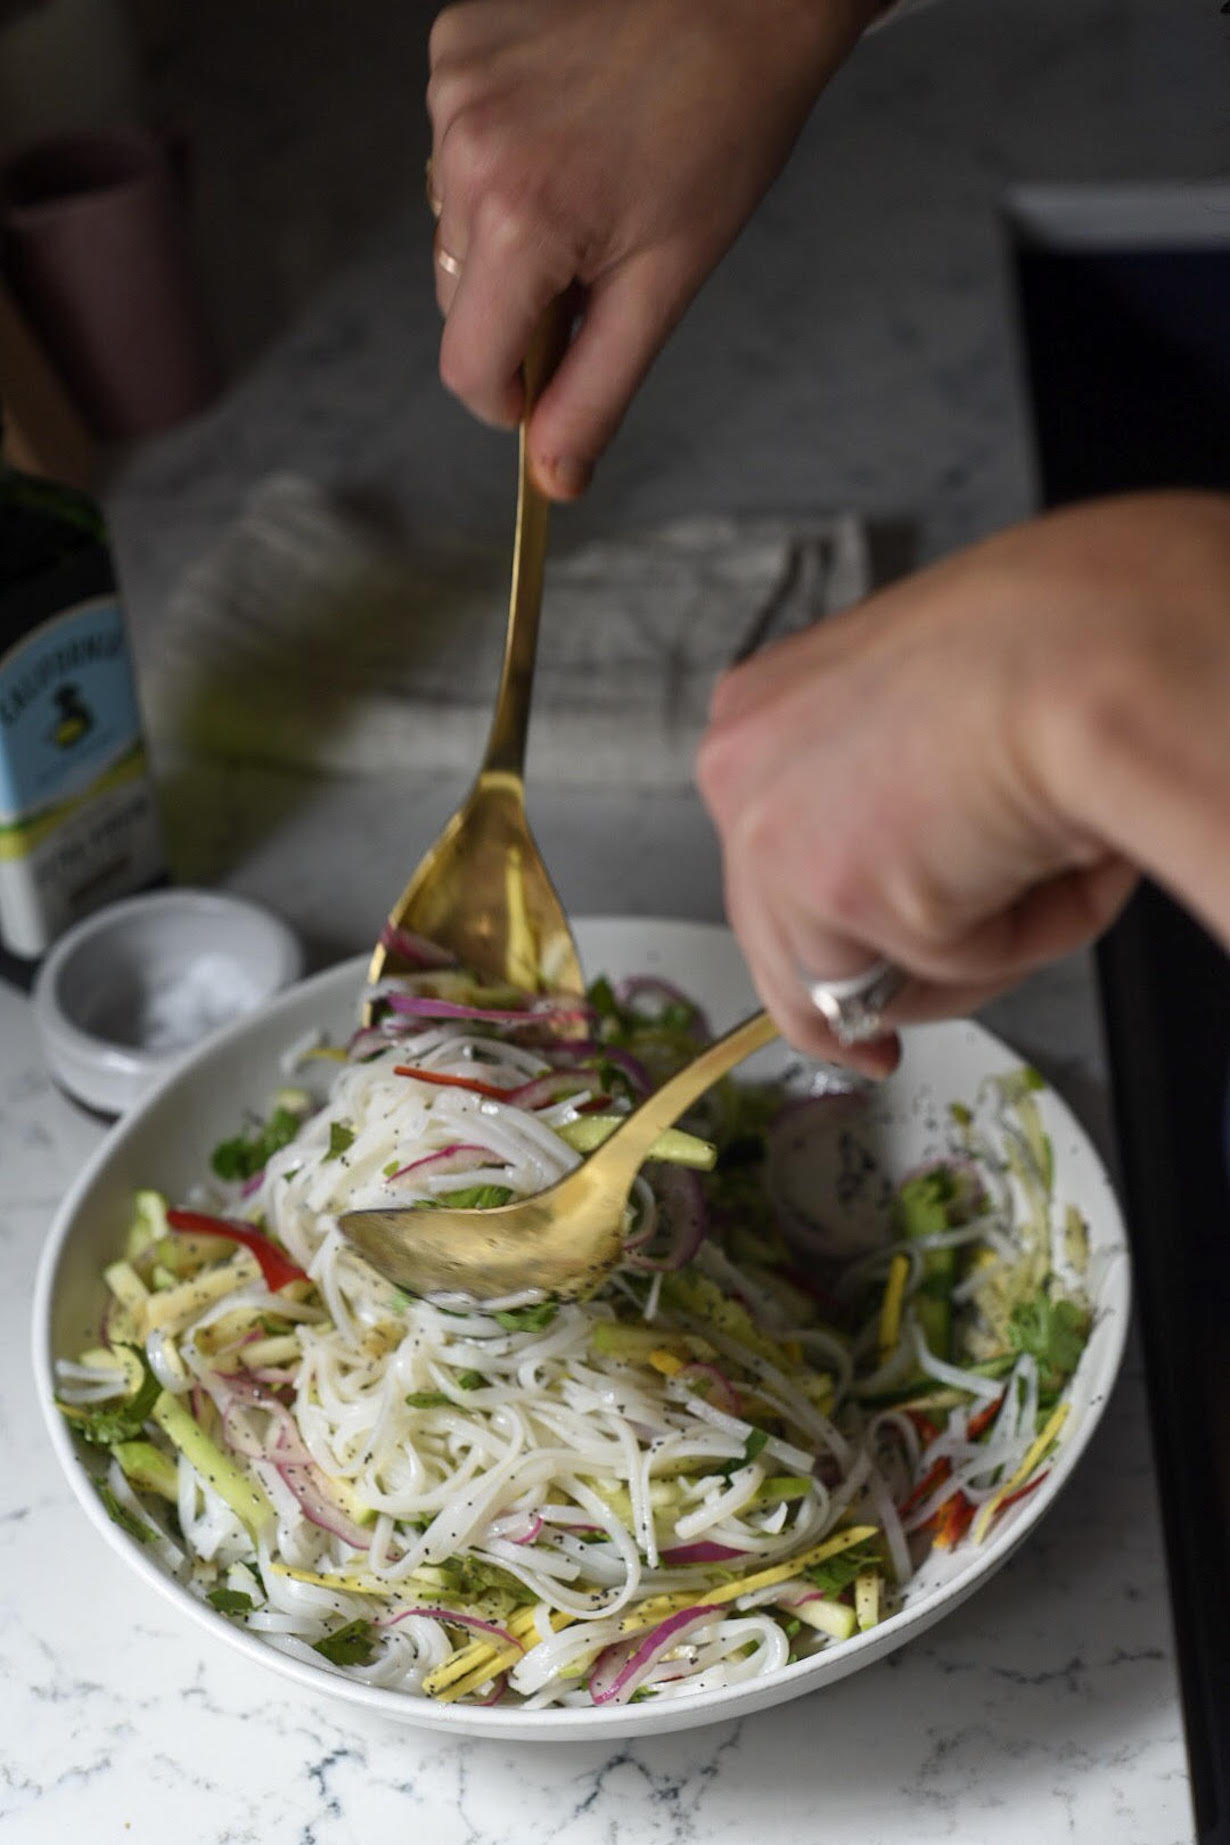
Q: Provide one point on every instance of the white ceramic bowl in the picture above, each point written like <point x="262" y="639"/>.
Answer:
<point x="128" y="992"/>
<point x="165" y="1143"/>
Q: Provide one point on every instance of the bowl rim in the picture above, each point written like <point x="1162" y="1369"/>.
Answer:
<point x="568" y="1724"/>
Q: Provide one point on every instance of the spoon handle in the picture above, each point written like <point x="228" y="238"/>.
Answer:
<point x="505" y="753"/>
<point x="629" y="1145"/>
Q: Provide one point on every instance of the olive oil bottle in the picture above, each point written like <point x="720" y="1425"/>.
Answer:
<point x="78" y="818"/>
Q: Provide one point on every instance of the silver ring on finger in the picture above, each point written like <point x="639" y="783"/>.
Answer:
<point x="853" y="1008"/>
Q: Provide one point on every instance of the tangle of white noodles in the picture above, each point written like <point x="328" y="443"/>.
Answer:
<point x="508" y="1449"/>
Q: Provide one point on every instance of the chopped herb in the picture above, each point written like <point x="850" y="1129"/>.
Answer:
<point x="601" y="997"/>
<point x="352" y="1645"/>
<point x="962" y="1115"/>
<point x="751" y="1448"/>
<point x="230" y="1601"/>
<point x="340" y="1137"/>
<point x="469" y="1198"/>
<point x="121" y="1516"/>
<point x="470" y="1380"/>
<point x="254" y="1571"/>
<point x="837" y="1573"/>
<point x="527" y="1319"/>
<point x="790" y="1625"/>
<point x="392" y="1167"/>
<point x="110" y="1423"/>
<point x="428" y="1399"/>
<point x="1054" y="1332"/>
<point x="250" y="1152"/>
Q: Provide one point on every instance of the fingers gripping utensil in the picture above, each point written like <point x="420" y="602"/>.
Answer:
<point x="562" y="1241"/>
<point x="482" y="890"/>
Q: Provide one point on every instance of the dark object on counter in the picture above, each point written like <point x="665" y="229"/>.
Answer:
<point x="96" y="252"/>
<point x="78" y="821"/>
<point x="1125" y="301"/>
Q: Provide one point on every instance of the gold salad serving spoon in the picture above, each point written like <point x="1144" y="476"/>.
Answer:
<point x="562" y="1241"/>
<point x="482" y="890"/>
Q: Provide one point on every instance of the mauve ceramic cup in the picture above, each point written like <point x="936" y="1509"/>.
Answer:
<point x="95" y="249"/>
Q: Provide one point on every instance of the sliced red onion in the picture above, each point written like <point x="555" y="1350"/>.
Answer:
<point x="620" y="1669"/>
<point x="836" y="1172"/>
<point x="585" y="1050"/>
<point x="304" y="1481"/>
<point x="720" y="1392"/>
<point x="703" y="1552"/>
<point x="458" y="1156"/>
<point x="681" y="1200"/>
<point x="539" y="1012"/>
<point x="499" y="1686"/>
<point x="457" y="1620"/>
<point x="552" y="1088"/>
<point x="415" y="949"/>
<point x="518" y="1528"/>
<point x="253" y="1184"/>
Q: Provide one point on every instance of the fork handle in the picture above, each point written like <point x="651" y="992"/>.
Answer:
<point x="629" y="1145"/>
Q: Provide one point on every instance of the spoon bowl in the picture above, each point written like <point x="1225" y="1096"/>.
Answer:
<point x="482" y="891"/>
<point x="562" y="1242"/>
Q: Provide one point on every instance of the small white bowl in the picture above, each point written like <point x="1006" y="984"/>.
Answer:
<point x="131" y="990"/>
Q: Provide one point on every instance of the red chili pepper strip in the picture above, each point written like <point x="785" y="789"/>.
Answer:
<point x="953" y="1520"/>
<point x="452" y="1082"/>
<point x="927" y="1430"/>
<point x="979" y="1424"/>
<point x="278" y="1269"/>
<point x="938" y="1474"/>
<point x="1022" y="1492"/>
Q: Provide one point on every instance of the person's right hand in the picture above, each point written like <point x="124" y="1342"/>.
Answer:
<point x="962" y="775"/>
<point x="615" y="144"/>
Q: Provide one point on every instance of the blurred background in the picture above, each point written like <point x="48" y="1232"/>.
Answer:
<point x="314" y="551"/>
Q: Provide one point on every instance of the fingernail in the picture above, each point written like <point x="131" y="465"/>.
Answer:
<point x="569" y="477"/>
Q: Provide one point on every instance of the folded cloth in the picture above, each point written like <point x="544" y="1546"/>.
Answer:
<point x="307" y="638"/>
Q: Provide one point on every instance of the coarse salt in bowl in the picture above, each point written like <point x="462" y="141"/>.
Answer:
<point x="136" y="986"/>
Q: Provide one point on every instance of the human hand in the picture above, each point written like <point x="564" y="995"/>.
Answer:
<point x="615" y="144"/>
<point x="962" y="775"/>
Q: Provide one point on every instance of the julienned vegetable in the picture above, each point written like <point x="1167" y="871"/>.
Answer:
<point x="727" y="1459"/>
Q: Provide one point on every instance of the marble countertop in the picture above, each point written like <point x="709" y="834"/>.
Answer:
<point x="855" y="351"/>
<point x="1044" y="1708"/>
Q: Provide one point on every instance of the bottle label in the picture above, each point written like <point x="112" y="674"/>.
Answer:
<point x="78" y="824"/>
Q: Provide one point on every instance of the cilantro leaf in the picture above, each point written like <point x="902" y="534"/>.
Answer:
<point x="340" y="1138"/>
<point x="428" y="1399"/>
<point x="110" y="1423"/>
<point x="230" y="1601"/>
<point x="249" y="1153"/>
<point x="837" y="1573"/>
<point x="1053" y="1332"/>
<point x="527" y="1319"/>
<point x="121" y="1516"/>
<point x="469" y="1198"/>
<point x="470" y="1380"/>
<point x="751" y="1448"/>
<point x="352" y="1645"/>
